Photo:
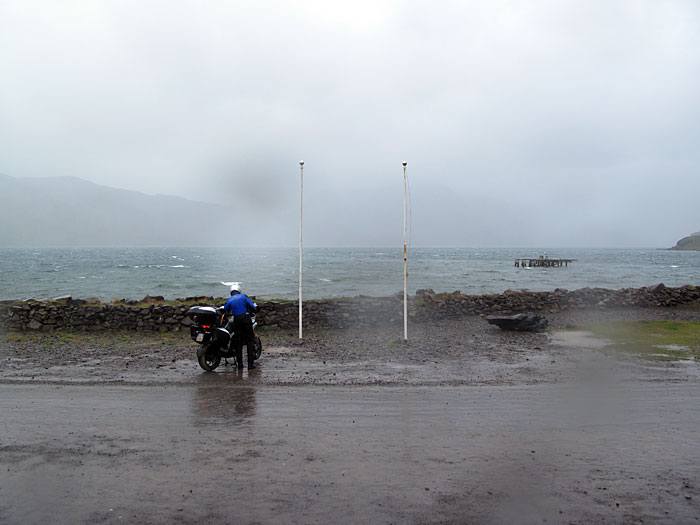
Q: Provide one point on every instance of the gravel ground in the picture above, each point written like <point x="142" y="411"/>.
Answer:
<point x="465" y="351"/>
<point x="464" y="423"/>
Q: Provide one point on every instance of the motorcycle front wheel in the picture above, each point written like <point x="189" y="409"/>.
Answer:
<point x="210" y="360"/>
<point x="258" y="348"/>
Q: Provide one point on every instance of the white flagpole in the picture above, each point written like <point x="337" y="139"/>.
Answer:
<point x="301" y="224"/>
<point x="405" y="263"/>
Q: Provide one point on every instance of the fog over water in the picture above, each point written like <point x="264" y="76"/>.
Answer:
<point x="523" y="123"/>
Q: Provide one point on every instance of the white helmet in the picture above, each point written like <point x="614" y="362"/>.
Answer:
<point x="235" y="286"/>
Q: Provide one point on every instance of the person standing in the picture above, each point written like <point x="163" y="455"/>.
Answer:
<point x="240" y="306"/>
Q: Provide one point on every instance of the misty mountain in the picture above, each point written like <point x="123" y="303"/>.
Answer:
<point x="67" y="211"/>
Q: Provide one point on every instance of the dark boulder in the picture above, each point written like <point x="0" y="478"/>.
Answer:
<point x="425" y="295"/>
<point x="153" y="299"/>
<point x="198" y="298"/>
<point x="659" y="288"/>
<point x="519" y="322"/>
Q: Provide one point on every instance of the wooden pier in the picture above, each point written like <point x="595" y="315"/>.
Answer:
<point x="541" y="262"/>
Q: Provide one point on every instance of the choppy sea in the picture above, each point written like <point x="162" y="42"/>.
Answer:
<point x="111" y="273"/>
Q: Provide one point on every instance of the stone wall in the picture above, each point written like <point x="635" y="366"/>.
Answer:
<point x="77" y="315"/>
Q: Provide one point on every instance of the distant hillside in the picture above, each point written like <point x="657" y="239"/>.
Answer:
<point x="67" y="211"/>
<point x="692" y="242"/>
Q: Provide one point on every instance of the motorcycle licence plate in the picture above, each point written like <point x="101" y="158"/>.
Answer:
<point x="200" y="337"/>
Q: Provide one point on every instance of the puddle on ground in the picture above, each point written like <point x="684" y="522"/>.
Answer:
<point x="676" y="348"/>
<point x="524" y="454"/>
<point x="578" y="339"/>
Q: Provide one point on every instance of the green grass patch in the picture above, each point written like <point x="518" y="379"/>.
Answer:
<point x="655" y="340"/>
<point x="57" y="338"/>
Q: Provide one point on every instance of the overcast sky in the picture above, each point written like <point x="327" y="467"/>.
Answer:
<point x="524" y="123"/>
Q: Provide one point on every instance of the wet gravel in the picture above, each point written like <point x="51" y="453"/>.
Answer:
<point x="464" y="423"/>
<point x="465" y="351"/>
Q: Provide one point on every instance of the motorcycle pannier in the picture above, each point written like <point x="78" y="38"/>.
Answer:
<point x="202" y="315"/>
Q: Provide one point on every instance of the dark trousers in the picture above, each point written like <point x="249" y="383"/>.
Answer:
<point x="243" y="327"/>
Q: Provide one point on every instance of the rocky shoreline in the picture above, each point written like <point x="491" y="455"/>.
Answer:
<point x="155" y="315"/>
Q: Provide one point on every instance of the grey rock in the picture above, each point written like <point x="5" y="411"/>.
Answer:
<point x="153" y="299"/>
<point x="198" y="298"/>
<point x="519" y="322"/>
<point x="659" y="288"/>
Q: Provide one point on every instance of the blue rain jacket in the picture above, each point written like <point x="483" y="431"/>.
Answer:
<point x="238" y="304"/>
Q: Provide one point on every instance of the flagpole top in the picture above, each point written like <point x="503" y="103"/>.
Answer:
<point x="404" y="163"/>
<point x="301" y="163"/>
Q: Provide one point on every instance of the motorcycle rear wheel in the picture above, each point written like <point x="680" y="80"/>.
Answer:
<point x="209" y="361"/>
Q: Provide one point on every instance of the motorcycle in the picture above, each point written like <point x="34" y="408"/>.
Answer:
<point x="214" y="340"/>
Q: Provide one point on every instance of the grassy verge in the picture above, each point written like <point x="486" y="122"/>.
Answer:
<point x="654" y="340"/>
<point x="58" y="338"/>
<point x="128" y="338"/>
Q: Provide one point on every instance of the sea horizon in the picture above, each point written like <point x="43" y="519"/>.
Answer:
<point x="173" y="272"/>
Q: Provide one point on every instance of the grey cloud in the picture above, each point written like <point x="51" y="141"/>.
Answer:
<point x="581" y="116"/>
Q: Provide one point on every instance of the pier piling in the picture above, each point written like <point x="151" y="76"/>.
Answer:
<point x="541" y="262"/>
